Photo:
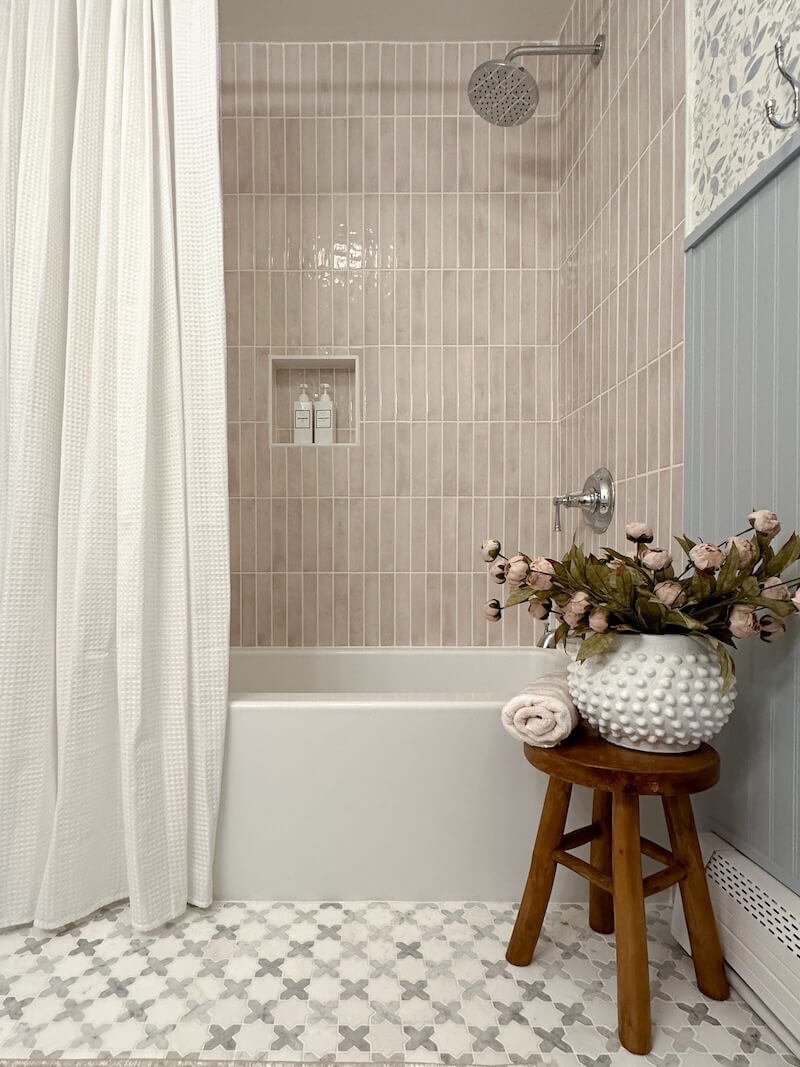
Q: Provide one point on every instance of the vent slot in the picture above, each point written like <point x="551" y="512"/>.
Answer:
<point x="767" y="911"/>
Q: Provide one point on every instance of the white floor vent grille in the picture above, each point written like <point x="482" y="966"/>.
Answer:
<point x="776" y="919"/>
<point x="759" y="926"/>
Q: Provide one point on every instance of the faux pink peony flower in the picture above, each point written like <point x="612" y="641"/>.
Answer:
<point x="540" y="609"/>
<point x="743" y="621"/>
<point x="772" y="628"/>
<point x="576" y="608"/>
<point x="497" y="572"/>
<point x="765" y="522"/>
<point x="707" y="557"/>
<point x="745" y="549"/>
<point x="670" y="593"/>
<point x="796" y="600"/>
<point x="492" y="610"/>
<point x="541" y="573"/>
<point x="639" y="532"/>
<point x="598" y="620"/>
<point x="774" y="589"/>
<point x="517" y="569"/>
<point x="656" y="559"/>
<point x="490" y="549"/>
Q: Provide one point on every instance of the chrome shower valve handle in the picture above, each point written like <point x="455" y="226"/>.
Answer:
<point x="596" y="500"/>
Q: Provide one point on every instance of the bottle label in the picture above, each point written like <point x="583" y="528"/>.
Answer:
<point x="302" y="419"/>
<point x="323" y="418"/>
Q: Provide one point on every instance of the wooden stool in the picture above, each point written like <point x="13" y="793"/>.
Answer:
<point x="619" y="776"/>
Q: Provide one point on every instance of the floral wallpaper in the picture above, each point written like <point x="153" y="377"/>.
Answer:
<point x="732" y="75"/>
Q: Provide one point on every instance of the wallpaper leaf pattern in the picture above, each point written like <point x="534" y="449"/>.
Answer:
<point x="733" y="74"/>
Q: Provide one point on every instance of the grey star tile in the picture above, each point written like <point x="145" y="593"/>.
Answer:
<point x="486" y="1038"/>
<point x="573" y="1013"/>
<point x="552" y="1039"/>
<point x="353" y="1037"/>
<point x="222" y="1037"/>
<point x="535" y="990"/>
<point x="509" y="1013"/>
<point x="288" y="1037"/>
<point x="354" y="989"/>
<point x="419" y="1037"/>
<point x="332" y="933"/>
<point x="386" y="1011"/>
<point x="261" y="1011"/>
<point x="414" y="989"/>
<point x="297" y="989"/>
<point x="450" y="1012"/>
<point x="270" y="967"/>
<point x="321" y="1012"/>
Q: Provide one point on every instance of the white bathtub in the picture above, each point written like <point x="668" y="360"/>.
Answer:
<point x="379" y="774"/>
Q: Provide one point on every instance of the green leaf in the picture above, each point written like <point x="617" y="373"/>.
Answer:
<point x="784" y="558"/>
<point x="726" y="666"/>
<point x="726" y="578"/>
<point x="612" y="552"/>
<point x="652" y="613"/>
<point x="519" y="596"/>
<point x="561" y="634"/>
<point x="596" y="644"/>
<point x="781" y="608"/>
<point x="680" y="618"/>
<point x="686" y="543"/>
<point x="702" y="585"/>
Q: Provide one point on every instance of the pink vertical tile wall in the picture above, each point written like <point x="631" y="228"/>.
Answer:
<point x="619" y="397"/>
<point x="368" y="209"/>
<point x="515" y="298"/>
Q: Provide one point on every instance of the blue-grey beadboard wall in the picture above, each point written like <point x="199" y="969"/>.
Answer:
<point x="743" y="451"/>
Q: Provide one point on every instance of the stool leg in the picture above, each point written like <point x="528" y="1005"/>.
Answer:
<point x="601" y="903"/>
<point x="633" y="980"/>
<point x="703" y="936"/>
<point x="540" y="877"/>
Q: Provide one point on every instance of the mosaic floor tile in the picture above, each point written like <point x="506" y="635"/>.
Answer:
<point x="373" y="982"/>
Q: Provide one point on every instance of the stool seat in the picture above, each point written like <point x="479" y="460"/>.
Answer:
<point x="586" y="759"/>
<point x="617" y="890"/>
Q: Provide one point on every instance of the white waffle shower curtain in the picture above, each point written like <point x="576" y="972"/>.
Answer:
<point x="113" y="491"/>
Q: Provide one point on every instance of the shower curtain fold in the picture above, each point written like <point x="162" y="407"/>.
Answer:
<point x="131" y="579"/>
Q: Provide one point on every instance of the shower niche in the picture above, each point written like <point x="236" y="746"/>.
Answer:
<point x="289" y="371"/>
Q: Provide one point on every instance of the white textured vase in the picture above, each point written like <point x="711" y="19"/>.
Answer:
<point x="653" y="692"/>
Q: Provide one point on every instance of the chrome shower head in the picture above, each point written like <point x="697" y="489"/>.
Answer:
<point x="503" y="93"/>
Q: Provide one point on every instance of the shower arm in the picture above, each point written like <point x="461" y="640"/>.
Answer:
<point x="595" y="50"/>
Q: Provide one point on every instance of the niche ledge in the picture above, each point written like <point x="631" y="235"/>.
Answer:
<point x="288" y="370"/>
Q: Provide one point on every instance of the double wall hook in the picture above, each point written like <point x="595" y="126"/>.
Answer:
<point x="770" y="105"/>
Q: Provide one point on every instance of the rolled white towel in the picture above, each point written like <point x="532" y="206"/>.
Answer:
<point x="543" y="714"/>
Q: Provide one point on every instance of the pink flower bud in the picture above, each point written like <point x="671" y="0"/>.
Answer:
<point x="576" y="609"/>
<point x="639" y="532"/>
<point x="765" y="522"/>
<point x="796" y="600"/>
<point x="492" y="610"/>
<point x="772" y="628"/>
<point x="517" y="569"/>
<point x="707" y="557"/>
<point x="541" y="576"/>
<point x="743" y="621"/>
<point x="497" y="572"/>
<point x="656" y="559"/>
<point x="670" y="593"/>
<point x="540" y="609"/>
<point x="490" y="550"/>
<point x="598" y="620"/>
<point x="746" y="550"/>
<point x="774" y="589"/>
